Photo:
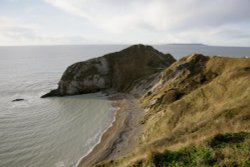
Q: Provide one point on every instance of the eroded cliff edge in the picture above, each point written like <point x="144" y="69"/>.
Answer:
<point x="119" y="71"/>
<point x="196" y="113"/>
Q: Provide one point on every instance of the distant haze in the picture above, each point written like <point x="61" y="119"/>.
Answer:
<point x="49" y="22"/>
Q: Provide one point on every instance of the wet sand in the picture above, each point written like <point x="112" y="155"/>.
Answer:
<point x="121" y="137"/>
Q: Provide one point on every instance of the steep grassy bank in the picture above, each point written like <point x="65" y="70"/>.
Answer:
<point x="196" y="114"/>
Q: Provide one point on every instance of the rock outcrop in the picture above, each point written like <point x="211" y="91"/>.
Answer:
<point x="119" y="71"/>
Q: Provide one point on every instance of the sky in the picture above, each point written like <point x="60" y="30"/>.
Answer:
<point x="55" y="22"/>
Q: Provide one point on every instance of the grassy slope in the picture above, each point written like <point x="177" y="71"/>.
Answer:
<point x="216" y="100"/>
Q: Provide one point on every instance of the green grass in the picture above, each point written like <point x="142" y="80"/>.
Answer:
<point x="228" y="149"/>
<point x="190" y="156"/>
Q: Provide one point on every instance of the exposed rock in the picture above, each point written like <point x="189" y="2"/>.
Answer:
<point x="15" y="100"/>
<point x="182" y="77"/>
<point x="120" y="71"/>
<point x="51" y="93"/>
<point x="171" y="95"/>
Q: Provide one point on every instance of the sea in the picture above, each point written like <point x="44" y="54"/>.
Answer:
<point x="59" y="131"/>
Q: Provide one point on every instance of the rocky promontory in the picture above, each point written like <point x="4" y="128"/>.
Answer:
<point x="119" y="71"/>
<point x="190" y="112"/>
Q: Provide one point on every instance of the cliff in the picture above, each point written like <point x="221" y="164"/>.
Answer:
<point x="118" y="71"/>
<point x="196" y="113"/>
<point x="196" y="110"/>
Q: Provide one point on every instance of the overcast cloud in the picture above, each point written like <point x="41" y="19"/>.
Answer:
<point x="216" y="22"/>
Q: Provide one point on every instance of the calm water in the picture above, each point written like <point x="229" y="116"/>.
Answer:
<point x="52" y="132"/>
<point x="57" y="132"/>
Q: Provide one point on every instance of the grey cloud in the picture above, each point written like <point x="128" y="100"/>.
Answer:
<point x="214" y="13"/>
<point x="178" y="14"/>
<point x="18" y="33"/>
<point x="143" y="20"/>
<point x="233" y="33"/>
<point x="166" y="19"/>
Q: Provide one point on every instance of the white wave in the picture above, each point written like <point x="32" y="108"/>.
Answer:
<point x="60" y="164"/>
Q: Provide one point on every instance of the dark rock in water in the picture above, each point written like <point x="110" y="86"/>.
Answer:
<point x="15" y="100"/>
<point x="119" y="71"/>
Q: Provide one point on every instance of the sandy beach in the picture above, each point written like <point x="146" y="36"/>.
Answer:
<point x="121" y="137"/>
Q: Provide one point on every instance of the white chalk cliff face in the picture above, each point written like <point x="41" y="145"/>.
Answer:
<point x="119" y="71"/>
<point x="86" y="77"/>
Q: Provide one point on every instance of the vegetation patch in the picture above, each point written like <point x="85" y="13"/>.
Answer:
<point x="191" y="156"/>
<point x="221" y="140"/>
<point x="235" y="152"/>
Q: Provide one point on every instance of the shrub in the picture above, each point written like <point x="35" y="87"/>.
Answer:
<point x="221" y="140"/>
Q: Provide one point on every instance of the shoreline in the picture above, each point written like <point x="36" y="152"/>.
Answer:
<point x="100" y="139"/>
<point x="119" y="139"/>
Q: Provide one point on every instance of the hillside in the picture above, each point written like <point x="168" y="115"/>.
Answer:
<point x="196" y="113"/>
<point x="118" y="71"/>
